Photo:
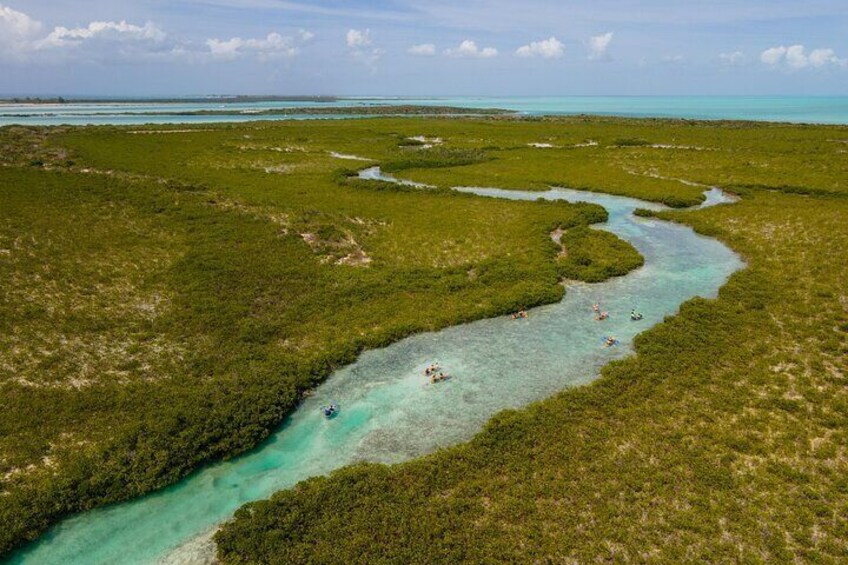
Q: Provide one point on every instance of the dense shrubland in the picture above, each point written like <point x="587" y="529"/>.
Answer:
<point x="167" y="298"/>
<point x="171" y="307"/>
<point x="434" y="158"/>
<point x="723" y="440"/>
<point x="593" y="255"/>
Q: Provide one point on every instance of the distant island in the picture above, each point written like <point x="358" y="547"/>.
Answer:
<point x="407" y="109"/>
<point x="224" y="98"/>
<point x="375" y="110"/>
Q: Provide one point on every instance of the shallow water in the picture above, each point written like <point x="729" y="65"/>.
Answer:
<point x="374" y="173"/>
<point x="389" y="411"/>
<point x="810" y="109"/>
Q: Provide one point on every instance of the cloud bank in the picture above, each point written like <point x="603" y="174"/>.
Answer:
<point x="23" y="38"/>
<point x="273" y="46"/>
<point x="103" y="31"/>
<point x="16" y="27"/>
<point x="796" y="57"/>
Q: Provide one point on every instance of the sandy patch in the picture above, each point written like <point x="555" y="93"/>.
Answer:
<point x="428" y="142"/>
<point x="356" y="259"/>
<point x="556" y="237"/>
<point x="286" y="149"/>
<point x="654" y="174"/>
<point x="685" y="147"/>
<point x="199" y="550"/>
<point x="354" y="256"/>
<point x="348" y="157"/>
<point x="278" y="169"/>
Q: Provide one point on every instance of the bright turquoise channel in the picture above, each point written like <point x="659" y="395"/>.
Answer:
<point x="798" y="109"/>
<point x="390" y="413"/>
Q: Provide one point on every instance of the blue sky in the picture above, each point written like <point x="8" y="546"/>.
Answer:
<point x="423" y="47"/>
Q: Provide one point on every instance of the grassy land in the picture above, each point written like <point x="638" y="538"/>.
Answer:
<point x="724" y="440"/>
<point x="167" y="298"/>
<point x="594" y="256"/>
<point x="172" y="294"/>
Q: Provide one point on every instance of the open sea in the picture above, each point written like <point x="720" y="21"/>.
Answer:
<point x="796" y="109"/>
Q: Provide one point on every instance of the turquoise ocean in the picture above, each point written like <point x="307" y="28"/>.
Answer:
<point x="796" y="109"/>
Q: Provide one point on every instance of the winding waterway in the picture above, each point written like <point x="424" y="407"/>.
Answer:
<point x="390" y="412"/>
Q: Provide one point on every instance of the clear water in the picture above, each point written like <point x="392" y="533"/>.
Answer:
<point x="390" y="412"/>
<point x="808" y="109"/>
<point x="374" y="173"/>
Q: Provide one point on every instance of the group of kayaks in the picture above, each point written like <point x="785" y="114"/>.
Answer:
<point x="433" y="372"/>
<point x="436" y="375"/>
<point x="601" y="315"/>
<point x="610" y="341"/>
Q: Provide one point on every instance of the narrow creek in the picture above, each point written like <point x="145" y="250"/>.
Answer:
<point x="389" y="410"/>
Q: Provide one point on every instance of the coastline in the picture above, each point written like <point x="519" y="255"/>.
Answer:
<point x="819" y="110"/>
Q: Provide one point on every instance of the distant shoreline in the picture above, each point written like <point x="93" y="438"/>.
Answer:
<point x="831" y="110"/>
<point x="381" y="110"/>
<point x="236" y="99"/>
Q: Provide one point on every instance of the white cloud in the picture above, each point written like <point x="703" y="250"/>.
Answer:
<point x="773" y="55"/>
<point x="357" y="38"/>
<point x="598" y="46"/>
<point x="551" y="48"/>
<point x="16" y="28"/>
<point x="796" y="57"/>
<point x="821" y="57"/>
<point x="672" y="59"/>
<point x="24" y="39"/>
<point x="425" y="49"/>
<point x="273" y="46"/>
<point x="734" y="58"/>
<point x="469" y="49"/>
<point x="101" y="31"/>
<point x="361" y="48"/>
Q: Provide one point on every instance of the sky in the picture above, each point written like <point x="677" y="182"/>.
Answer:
<point x="423" y="47"/>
